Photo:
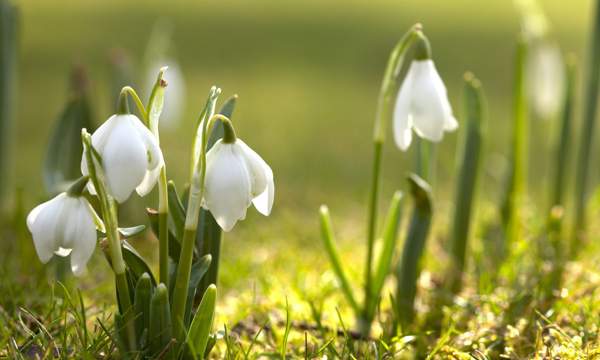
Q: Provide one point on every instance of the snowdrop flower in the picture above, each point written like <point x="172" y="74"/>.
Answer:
<point x="236" y="177"/>
<point x="545" y="79"/>
<point x="130" y="156"/>
<point x="65" y="225"/>
<point x="422" y="103"/>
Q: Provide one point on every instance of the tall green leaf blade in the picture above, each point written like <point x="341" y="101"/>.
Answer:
<point x="63" y="155"/>
<point x="334" y="257"/>
<point x="390" y="236"/>
<point x="200" y="328"/>
<point x="409" y="267"/>
<point x="468" y="172"/>
<point x="174" y="242"/>
<point x="198" y="272"/>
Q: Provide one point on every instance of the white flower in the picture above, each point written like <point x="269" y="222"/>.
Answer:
<point x="236" y="177"/>
<point x="545" y="79"/>
<point x="422" y="105"/>
<point x="131" y="157"/>
<point x="64" y="225"/>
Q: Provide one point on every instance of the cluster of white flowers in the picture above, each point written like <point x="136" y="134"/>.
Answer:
<point x="236" y="177"/>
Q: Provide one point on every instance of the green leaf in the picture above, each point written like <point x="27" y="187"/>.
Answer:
<point x="334" y="257"/>
<point x="468" y="171"/>
<point x="208" y="242"/>
<point x="176" y="210"/>
<point x="390" y="236"/>
<point x="199" y="333"/>
<point x="160" y="329"/>
<point x="409" y="267"/>
<point x="135" y="263"/>
<point x="174" y="242"/>
<point x="198" y="271"/>
<point x="132" y="231"/>
<point x="63" y="155"/>
<point x="142" y="298"/>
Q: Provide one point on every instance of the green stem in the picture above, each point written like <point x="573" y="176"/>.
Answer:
<point x="518" y="178"/>
<point x="163" y="229"/>
<point x="190" y="227"/>
<point x="564" y="141"/>
<point x="109" y="214"/>
<point x="587" y="131"/>
<point x="389" y="87"/>
<point x="128" y="90"/>
<point x="372" y="222"/>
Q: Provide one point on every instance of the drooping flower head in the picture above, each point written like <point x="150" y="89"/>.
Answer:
<point x="236" y="177"/>
<point x="65" y="225"/>
<point x="131" y="156"/>
<point x="422" y="104"/>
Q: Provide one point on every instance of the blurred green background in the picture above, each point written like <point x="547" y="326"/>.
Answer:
<point x="307" y="73"/>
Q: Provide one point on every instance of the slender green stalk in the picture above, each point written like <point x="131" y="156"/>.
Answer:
<point x="163" y="228"/>
<point x="424" y="159"/>
<point x="587" y="132"/>
<point x="518" y="162"/>
<point x="191" y="224"/>
<point x="334" y="258"/>
<point x="409" y="267"/>
<point x="468" y="171"/>
<point x="108" y="208"/>
<point x="564" y="136"/>
<point x="389" y="87"/>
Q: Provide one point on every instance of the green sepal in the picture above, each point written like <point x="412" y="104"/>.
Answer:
<point x="199" y="333"/>
<point x="160" y="331"/>
<point x="197" y="273"/>
<point x="409" y="267"/>
<point x="141" y="304"/>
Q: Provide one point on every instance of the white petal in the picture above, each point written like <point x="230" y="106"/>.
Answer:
<point x="154" y="154"/>
<point x="430" y="104"/>
<point x="81" y="236"/>
<point x="263" y="186"/>
<point x="256" y="166"/>
<point x="228" y="185"/>
<point x="545" y="79"/>
<point x="125" y="160"/>
<point x="402" y="116"/>
<point x="42" y="222"/>
<point x="149" y="181"/>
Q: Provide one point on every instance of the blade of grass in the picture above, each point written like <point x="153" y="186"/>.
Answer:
<point x="390" y="236"/>
<point x="334" y="257"/>
<point x="516" y="184"/>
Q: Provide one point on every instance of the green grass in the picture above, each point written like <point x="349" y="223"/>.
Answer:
<point x="307" y="73"/>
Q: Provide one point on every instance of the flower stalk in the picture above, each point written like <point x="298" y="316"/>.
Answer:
<point x="109" y="214"/>
<point x="389" y="87"/>
<point x="191" y="221"/>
